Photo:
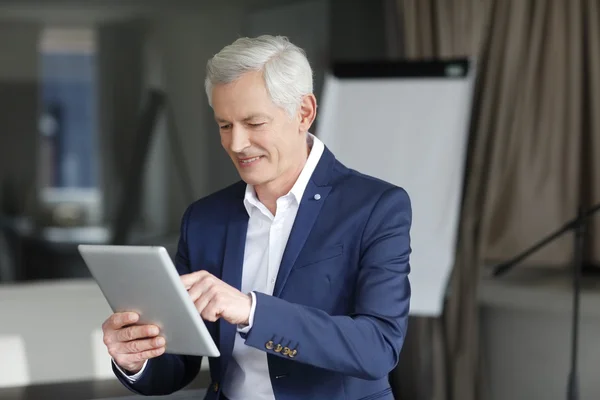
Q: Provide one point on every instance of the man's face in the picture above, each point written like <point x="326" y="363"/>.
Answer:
<point x="264" y="143"/>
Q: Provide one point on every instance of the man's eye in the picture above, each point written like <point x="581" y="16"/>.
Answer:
<point x="256" y="125"/>
<point x="225" y="126"/>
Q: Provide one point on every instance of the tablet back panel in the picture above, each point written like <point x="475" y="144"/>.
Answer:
<point x="143" y="279"/>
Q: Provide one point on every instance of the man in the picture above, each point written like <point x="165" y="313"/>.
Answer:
<point x="300" y="270"/>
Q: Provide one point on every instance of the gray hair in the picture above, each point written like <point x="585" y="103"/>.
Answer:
<point x="287" y="73"/>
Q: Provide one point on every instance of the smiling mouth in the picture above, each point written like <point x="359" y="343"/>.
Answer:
<point x="246" y="162"/>
<point x="249" y="160"/>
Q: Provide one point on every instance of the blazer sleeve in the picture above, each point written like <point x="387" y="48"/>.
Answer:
<point x="367" y="343"/>
<point x="168" y="373"/>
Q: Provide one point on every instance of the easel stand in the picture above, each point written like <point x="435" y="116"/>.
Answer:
<point x="579" y="226"/>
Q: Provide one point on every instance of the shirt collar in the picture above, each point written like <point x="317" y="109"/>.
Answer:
<point x="316" y="151"/>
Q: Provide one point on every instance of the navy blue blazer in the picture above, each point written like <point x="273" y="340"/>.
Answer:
<point x="336" y="322"/>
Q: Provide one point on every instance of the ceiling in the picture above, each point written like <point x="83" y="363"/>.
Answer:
<point x="92" y="11"/>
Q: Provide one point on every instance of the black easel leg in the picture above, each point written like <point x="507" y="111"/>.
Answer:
<point x="573" y="386"/>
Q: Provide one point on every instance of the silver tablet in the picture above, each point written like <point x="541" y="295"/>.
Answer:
<point x="144" y="280"/>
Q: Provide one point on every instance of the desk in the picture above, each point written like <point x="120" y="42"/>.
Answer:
<point x="94" y="390"/>
<point x="194" y="394"/>
<point x="37" y="253"/>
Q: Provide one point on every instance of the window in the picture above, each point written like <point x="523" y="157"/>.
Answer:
<point x="68" y="123"/>
<point x="68" y="126"/>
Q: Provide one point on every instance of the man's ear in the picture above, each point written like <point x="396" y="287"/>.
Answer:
<point x="307" y="112"/>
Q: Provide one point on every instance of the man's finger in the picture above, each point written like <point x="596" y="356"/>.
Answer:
<point x="204" y="299"/>
<point x="148" y="354"/>
<point x="190" y="280"/>
<point x="214" y="306"/>
<point x="138" y="346"/>
<point x="199" y="288"/>
<point x="119" y="320"/>
<point x="212" y="311"/>
<point x="128" y="359"/>
<point x="137" y="332"/>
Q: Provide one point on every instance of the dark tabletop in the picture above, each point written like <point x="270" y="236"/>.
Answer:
<point x="95" y="390"/>
<point x="191" y="394"/>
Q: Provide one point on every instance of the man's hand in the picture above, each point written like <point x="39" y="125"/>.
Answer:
<point x="131" y="345"/>
<point x="215" y="299"/>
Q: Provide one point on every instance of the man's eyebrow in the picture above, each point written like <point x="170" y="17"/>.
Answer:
<point x="248" y="118"/>
<point x="256" y="116"/>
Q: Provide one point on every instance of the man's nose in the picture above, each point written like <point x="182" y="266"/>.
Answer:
<point x="240" y="139"/>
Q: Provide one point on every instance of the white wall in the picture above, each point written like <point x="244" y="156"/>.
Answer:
<point x="306" y="24"/>
<point x="179" y="44"/>
<point x="18" y="51"/>
<point x="357" y="30"/>
<point x="155" y="202"/>
<point x="183" y="41"/>
<point x="18" y="102"/>
<point x="186" y="43"/>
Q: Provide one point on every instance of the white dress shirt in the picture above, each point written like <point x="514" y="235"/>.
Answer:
<point x="247" y="376"/>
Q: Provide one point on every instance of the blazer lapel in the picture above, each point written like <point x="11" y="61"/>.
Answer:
<point x="233" y="261"/>
<point x="314" y="197"/>
<point x="310" y="206"/>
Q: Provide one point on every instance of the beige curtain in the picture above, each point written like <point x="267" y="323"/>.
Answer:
<point x="443" y="28"/>
<point x="591" y="125"/>
<point x="534" y="155"/>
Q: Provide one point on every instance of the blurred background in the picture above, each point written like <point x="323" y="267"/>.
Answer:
<point x="106" y="136"/>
